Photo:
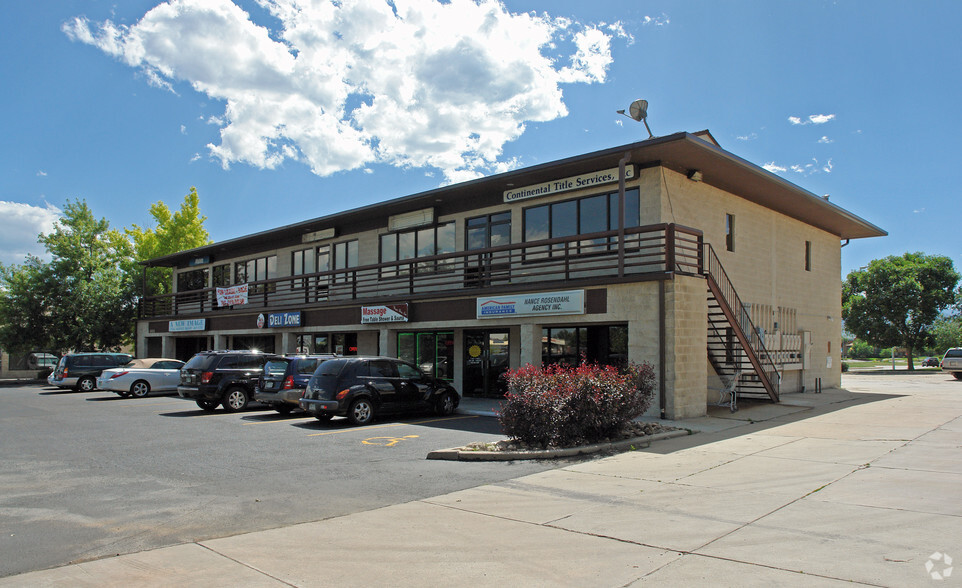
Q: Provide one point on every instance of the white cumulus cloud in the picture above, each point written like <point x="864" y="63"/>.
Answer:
<point x="340" y="85"/>
<point x="20" y="225"/>
<point x="774" y="168"/>
<point x="812" y="119"/>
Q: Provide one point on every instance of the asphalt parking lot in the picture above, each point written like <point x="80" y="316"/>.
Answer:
<point x="86" y="475"/>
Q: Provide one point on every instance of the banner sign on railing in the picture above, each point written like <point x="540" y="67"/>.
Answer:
<point x="232" y="295"/>
<point x="547" y="303"/>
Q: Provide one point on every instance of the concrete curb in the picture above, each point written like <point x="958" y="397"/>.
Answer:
<point x="459" y="454"/>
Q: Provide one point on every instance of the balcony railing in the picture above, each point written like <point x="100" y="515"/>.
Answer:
<point x="562" y="261"/>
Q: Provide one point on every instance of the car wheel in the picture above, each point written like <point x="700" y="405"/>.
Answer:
<point x="958" y="375"/>
<point x="208" y="405"/>
<point x="87" y="384"/>
<point x="235" y="399"/>
<point x="446" y="404"/>
<point x="139" y="389"/>
<point x="323" y="417"/>
<point x="361" y="411"/>
<point x="283" y="408"/>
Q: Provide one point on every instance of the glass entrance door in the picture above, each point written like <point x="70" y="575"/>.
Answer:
<point x="486" y="355"/>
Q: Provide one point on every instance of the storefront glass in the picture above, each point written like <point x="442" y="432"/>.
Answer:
<point x="605" y="344"/>
<point x="432" y="351"/>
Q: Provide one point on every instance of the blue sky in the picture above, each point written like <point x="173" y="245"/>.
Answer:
<point x="278" y="115"/>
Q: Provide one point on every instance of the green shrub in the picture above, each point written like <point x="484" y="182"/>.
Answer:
<point x="560" y="405"/>
<point x="844" y="366"/>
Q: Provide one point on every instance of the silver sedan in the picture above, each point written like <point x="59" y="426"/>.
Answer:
<point x="140" y="377"/>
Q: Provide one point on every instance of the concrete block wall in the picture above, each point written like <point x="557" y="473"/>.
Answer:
<point x="686" y="329"/>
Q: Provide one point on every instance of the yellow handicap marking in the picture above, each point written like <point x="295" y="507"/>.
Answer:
<point x="387" y="441"/>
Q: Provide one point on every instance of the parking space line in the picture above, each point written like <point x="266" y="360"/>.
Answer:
<point x="279" y="420"/>
<point x="371" y="428"/>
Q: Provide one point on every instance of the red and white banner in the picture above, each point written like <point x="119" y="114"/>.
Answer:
<point x="232" y="295"/>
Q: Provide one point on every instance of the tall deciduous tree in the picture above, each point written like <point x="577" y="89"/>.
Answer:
<point x="174" y="232"/>
<point x="25" y="294"/>
<point x="895" y="301"/>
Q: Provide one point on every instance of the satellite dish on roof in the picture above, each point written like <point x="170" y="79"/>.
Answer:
<point x="638" y="111"/>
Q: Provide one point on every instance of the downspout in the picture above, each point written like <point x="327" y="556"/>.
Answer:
<point x="621" y="212"/>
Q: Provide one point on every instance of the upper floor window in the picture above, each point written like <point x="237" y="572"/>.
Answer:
<point x="581" y="216"/>
<point x="425" y="242"/>
<point x="192" y="280"/>
<point x="255" y="270"/>
<point x="302" y="262"/>
<point x="730" y="232"/>
<point x="221" y="276"/>
<point x="490" y="230"/>
<point x="808" y="256"/>
<point x="339" y="256"/>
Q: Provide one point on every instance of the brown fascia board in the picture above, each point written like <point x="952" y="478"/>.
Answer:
<point x="682" y="152"/>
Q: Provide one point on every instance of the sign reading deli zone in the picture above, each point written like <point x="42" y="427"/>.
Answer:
<point x="389" y="313"/>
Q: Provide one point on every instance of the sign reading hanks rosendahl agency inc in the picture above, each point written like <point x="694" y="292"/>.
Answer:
<point x="545" y="303"/>
<point x="605" y="176"/>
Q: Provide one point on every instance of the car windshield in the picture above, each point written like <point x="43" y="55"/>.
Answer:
<point x="307" y="365"/>
<point x="200" y="362"/>
<point x="276" y="367"/>
<point x="954" y="352"/>
<point x="331" y="367"/>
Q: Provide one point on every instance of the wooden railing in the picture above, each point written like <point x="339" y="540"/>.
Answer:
<point x="599" y="256"/>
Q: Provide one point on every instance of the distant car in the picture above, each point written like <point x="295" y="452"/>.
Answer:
<point x="952" y="362"/>
<point x="361" y="388"/>
<point x="284" y="380"/>
<point x="227" y="378"/>
<point x="930" y="362"/>
<point x="81" y="370"/>
<point x="140" y="377"/>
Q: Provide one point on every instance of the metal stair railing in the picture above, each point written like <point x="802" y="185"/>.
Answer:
<point x="742" y="326"/>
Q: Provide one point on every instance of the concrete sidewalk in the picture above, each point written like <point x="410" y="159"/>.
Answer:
<point x="850" y="486"/>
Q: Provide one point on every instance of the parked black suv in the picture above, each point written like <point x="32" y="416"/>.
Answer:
<point x="284" y="380"/>
<point x="222" y="377"/>
<point x="80" y="370"/>
<point x="361" y="388"/>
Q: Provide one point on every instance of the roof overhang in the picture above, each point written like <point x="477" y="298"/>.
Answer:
<point x="681" y="152"/>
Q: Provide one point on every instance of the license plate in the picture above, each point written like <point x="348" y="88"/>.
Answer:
<point x="268" y="385"/>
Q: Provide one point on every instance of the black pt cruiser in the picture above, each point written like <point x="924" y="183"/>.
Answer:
<point x="361" y="388"/>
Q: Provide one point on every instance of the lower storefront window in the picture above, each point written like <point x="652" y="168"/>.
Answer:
<point x="432" y="351"/>
<point x="262" y="343"/>
<point x="604" y="344"/>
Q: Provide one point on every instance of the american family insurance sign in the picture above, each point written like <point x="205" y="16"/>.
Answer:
<point x="542" y="304"/>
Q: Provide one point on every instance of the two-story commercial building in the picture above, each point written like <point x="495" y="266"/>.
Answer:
<point x="671" y="251"/>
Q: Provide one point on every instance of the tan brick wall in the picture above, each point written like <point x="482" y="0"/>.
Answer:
<point x="768" y="264"/>
<point x="686" y="329"/>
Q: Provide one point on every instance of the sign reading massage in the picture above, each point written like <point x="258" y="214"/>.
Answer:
<point x="232" y="295"/>
<point x="187" y="325"/>
<point x="605" y="176"/>
<point x="544" y="304"/>
<point x="390" y="313"/>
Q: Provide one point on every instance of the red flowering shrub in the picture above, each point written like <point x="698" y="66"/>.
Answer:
<point x="561" y="405"/>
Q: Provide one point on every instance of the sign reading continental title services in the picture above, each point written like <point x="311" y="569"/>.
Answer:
<point x="232" y="295"/>
<point x="541" y="304"/>
<point x="605" y="176"/>
<point x="187" y="325"/>
<point x="279" y="319"/>
<point x="389" y="313"/>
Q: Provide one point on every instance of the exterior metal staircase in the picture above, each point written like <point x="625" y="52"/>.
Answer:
<point x="735" y="349"/>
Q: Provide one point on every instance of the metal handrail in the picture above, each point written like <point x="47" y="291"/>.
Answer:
<point x="714" y="270"/>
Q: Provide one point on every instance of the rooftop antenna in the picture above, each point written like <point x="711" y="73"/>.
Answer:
<point x="639" y="112"/>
